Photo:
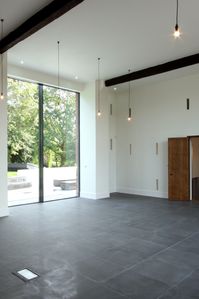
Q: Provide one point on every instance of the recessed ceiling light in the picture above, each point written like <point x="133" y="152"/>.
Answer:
<point x="115" y="88"/>
<point x="76" y="77"/>
<point x="21" y="61"/>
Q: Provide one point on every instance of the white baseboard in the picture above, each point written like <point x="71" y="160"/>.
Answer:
<point x="4" y="212"/>
<point x="113" y="190"/>
<point x="102" y="195"/>
<point x="94" y="195"/>
<point x="150" y="193"/>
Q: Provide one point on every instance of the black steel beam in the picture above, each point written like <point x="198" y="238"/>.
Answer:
<point x="39" y="20"/>
<point x="155" y="70"/>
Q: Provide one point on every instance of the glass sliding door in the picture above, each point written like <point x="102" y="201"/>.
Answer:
<point x="43" y="143"/>
<point x="60" y="138"/>
<point x="23" y="142"/>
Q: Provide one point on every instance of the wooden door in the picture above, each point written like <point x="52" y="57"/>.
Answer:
<point x="178" y="168"/>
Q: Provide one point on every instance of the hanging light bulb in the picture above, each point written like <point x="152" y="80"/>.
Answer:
<point x="129" y="100"/>
<point x="129" y="116"/>
<point x="98" y="91"/>
<point x="177" y="32"/>
<point x="2" y="95"/>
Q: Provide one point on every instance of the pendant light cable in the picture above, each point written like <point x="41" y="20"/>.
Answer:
<point x="98" y="90"/>
<point x="2" y="73"/>
<point x="58" y="63"/>
<point x="177" y="12"/>
<point x="129" y="98"/>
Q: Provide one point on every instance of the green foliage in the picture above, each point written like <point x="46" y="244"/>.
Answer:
<point x="22" y="121"/>
<point x="12" y="173"/>
<point x="60" y="128"/>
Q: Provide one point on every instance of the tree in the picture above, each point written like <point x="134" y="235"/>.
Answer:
<point x="22" y="121"/>
<point x="60" y="127"/>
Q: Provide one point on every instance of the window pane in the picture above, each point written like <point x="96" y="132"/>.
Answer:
<point x="23" y="132"/>
<point x="60" y="143"/>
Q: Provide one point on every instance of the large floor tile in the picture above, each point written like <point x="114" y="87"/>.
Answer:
<point x="167" y="273"/>
<point x="140" y="247"/>
<point x="187" y="289"/>
<point x="60" y="283"/>
<point x="97" y="269"/>
<point x="137" y="286"/>
<point x="178" y="258"/>
<point x="102" y="292"/>
<point x="145" y="248"/>
<point x="123" y="256"/>
<point x="155" y="236"/>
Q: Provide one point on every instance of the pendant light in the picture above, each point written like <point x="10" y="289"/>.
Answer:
<point x="2" y="95"/>
<point x="129" y="99"/>
<point x="177" y="32"/>
<point x="58" y="63"/>
<point x="98" y="90"/>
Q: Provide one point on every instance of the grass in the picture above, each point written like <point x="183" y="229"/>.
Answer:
<point x="12" y="173"/>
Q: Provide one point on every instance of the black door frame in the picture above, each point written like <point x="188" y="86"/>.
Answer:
<point x="41" y="142"/>
<point x="41" y="138"/>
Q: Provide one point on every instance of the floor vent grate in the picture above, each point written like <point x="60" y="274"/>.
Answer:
<point x="26" y="275"/>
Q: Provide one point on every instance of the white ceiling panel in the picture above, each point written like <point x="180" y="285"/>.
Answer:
<point x="126" y="34"/>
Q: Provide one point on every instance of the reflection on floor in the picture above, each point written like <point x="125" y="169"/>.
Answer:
<point x="27" y="195"/>
<point x="122" y="247"/>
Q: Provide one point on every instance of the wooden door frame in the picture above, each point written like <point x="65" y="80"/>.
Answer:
<point x="188" y="191"/>
<point x="190" y="176"/>
<point x="189" y="137"/>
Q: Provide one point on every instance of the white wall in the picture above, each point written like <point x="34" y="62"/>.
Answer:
<point x="159" y="112"/>
<point x="112" y="152"/>
<point x="88" y="142"/>
<point x="94" y="132"/>
<point x="3" y="145"/>
<point x="103" y="145"/>
<point x="94" y="141"/>
<point x="28" y="74"/>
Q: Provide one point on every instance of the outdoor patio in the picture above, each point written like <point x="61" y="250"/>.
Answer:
<point x="59" y="183"/>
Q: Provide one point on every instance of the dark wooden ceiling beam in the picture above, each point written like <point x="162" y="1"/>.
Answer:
<point x="42" y="18"/>
<point x="155" y="70"/>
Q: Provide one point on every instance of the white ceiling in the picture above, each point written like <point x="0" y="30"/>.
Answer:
<point x="126" y="34"/>
<point x="16" y="12"/>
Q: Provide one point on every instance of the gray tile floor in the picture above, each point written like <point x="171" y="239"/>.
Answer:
<point x="122" y="247"/>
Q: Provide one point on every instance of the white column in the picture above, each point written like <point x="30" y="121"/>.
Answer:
<point x="88" y="142"/>
<point x="103" y="146"/>
<point x="113" y="137"/>
<point x="3" y="143"/>
<point x="94" y="143"/>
